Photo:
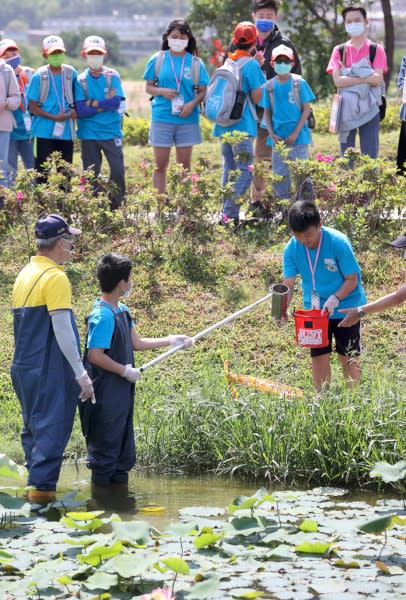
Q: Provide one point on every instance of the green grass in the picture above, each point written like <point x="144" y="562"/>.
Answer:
<point x="186" y="418"/>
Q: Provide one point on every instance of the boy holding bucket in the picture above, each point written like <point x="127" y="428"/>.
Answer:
<point x="331" y="278"/>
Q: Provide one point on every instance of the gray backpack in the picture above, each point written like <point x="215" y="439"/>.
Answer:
<point x="225" y="100"/>
<point x="296" y="79"/>
<point x="108" y="74"/>
<point x="195" y="69"/>
<point x="67" y="78"/>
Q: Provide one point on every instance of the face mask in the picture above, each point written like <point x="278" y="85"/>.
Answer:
<point x="70" y="250"/>
<point x="95" y="61"/>
<point x="128" y="292"/>
<point x="14" y="61"/>
<point x="355" y="29"/>
<point x="56" y="60"/>
<point x="282" y="68"/>
<point x="177" y="45"/>
<point x="264" y="25"/>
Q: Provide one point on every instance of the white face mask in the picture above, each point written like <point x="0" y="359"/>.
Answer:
<point x="355" y="29"/>
<point x="95" y="61"/>
<point x="177" y="45"/>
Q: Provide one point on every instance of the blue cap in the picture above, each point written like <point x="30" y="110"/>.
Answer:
<point x="51" y="226"/>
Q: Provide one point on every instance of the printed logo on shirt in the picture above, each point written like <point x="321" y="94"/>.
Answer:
<point x="292" y="98"/>
<point x="187" y="73"/>
<point x="331" y="265"/>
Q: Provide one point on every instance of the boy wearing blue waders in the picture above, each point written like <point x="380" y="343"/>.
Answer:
<point x="331" y="278"/>
<point x="46" y="359"/>
<point x="109" y="356"/>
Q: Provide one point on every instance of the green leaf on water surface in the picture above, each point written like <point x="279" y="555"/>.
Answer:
<point x="246" y="593"/>
<point x="207" y="539"/>
<point x="100" y="553"/>
<point x="64" y="580"/>
<point x="9" y="468"/>
<point x="389" y="472"/>
<point x="308" y="526"/>
<point x="137" y="532"/>
<point x="352" y="564"/>
<point x="329" y="587"/>
<point x="5" y="555"/>
<point x="181" y="529"/>
<point x="281" y="552"/>
<point x="85" y="516"/>
<point x="201" y="511"/>
<point x="250" y="502"/>
<point x="397" y="520"/>
<point x="204" y="589"/>
<point x="376" y="526"/>
<point x="246" y="525"/>
<point x="131" y="565"/>
<point x="82" y="526"/>
<point x="314" y="547"/>
<point x="101" y="581"/>
<point x="177" y="565"/>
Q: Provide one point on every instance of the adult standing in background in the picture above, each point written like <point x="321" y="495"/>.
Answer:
<point x="98" y="106"/>
<point x="20" y="137"/>
<point x="177" y="80"/>
<point x="9" y="101"/>
<point x="47" y="371"/>
<point x="401" y="156"/>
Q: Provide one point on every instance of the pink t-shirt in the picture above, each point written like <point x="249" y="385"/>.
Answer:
<point x="353" y="55"/>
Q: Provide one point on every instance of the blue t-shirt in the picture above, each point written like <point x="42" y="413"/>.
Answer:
<point x="161" y="107"/>
<point x="101" y="324"/>
<point x="252" y="79"/>
<point x="286" y="113"/>
<point x="105" y="125"/>
<point x="336" y="261"/>
<point x="19" y="132"/>
<point x="54" y="104"/>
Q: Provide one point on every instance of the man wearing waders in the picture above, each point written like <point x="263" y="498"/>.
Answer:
<point x="109" y="359"/>
<point x="47" y="371"/>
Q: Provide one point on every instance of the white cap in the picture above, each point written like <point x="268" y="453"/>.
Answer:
<point x="282" y="50"/>
<point x="52" y="43"/>
<point x="7" y="44"/>
<point x="94" y="42"/>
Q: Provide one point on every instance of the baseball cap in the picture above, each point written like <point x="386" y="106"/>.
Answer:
<point x="94" y="42"/>
<point x="7" y="44"/>
<point x="50" y="226"/>
<point x="245" y="33"/>
<point x="400" y="242"/>
<point x="282" y="50"/>
<point x="52" y="43"/>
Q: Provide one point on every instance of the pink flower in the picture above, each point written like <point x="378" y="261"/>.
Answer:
<point x="194" y="177"/>
<point x="169" y="230"/>
<point x="159" y="594"/>
<point x="194" y="189"/>
<point x="83" y="180"/>
<point x="20" y="197"/>
<point x="327" y="158"/>
<point x="82" y="188"/>
<point x="144" y="164"/>
<point x="250" y="168"/>
<point x="332" y="187"/>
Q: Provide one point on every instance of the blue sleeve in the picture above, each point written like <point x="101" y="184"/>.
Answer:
<point x="149" y="73"/>
<point x="264" y="102"/>
<point x="117" y="85"/>
<point x="110" y="103"/>
<point x="345" y="257"/>
<point x="255" y="76"/>
<point x="289" y="264"/>
<point x="204" y="76"/>
<point x="33" y="88"/>
<point x="100" y="329"/>
<point x="306" y="94"/>
<point x="402" y="72"/>
<point x="83" y="110"/>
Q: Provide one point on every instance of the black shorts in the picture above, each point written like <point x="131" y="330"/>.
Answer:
<point x="347" y="339"/>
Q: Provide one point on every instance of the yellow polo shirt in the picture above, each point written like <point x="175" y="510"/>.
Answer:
<point x="42" y="283"/>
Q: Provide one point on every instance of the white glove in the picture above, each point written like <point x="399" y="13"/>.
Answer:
<point x="131" y="373"/>
<point x="331" y="304"/>
<point x="180" y="340"/>
<point x="86" y="388"/>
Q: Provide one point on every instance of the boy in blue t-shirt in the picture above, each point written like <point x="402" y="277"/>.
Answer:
<point x="109" y="357"/>
<point x="331" y="277"/>
<point x="100" y="108"/>
<point x="240" y="156"/>
<point x="284" y="118"/>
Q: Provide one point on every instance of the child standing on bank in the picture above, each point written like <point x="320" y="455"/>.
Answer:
<point x="286" y="100"/>
<point x="109" y="357"/>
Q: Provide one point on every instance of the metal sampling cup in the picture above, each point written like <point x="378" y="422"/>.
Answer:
<point x="279" y="304"/>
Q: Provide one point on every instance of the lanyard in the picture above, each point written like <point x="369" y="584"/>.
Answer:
<point x="22" y="82"/>
<point x="311" y="267"/>
<point x="178" y="81"/>
<point x="60" y="103"/>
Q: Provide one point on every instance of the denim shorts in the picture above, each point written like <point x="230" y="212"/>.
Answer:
<point x="165" y="135"/>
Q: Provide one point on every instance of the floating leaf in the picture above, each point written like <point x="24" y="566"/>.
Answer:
<point x="177" y="565"/>
<point x="352" y="564"/>
<point x="314" y="547"/>
<point x="99" y="553"/>
<point x="250" y="502"/>
<point x="389" y="472"/>
<point x="330" y="587"/>
<point x="246" y="593"/>
<point x="180" y="529"/>
<point x="201" y="511"/>
<point x="377" y="525"/>
<point x="397" y="520"/>
<point x="129" y="565"/>
<point x="389" y="569"/>
<point x="85" y="516"/>
<point x="246" y="525"/>
<point x="64" y="580"/>
<point x="132" y="531"/>
<point x="204" y="589"/>
<point x="207" y="539"/>
<point x="9" y="468"/>
<point x="101" y="581"/>
<point x="308" y="526"/>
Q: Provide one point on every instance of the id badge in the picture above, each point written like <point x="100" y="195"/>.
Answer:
<point x="177" y="104"/>
<point x="59" y="128"/>
<point x="27" y="122"/>
<point x="315" y="300"/>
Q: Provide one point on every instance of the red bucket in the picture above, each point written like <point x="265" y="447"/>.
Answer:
<point x="311" y="328"/>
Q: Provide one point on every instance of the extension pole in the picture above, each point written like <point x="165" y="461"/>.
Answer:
<point x="205" y="332"/>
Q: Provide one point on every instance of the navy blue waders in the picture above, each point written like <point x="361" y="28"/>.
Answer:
<point x="108" y="425"/>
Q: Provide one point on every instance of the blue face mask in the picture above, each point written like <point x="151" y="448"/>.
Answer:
<point x="264" y="25"/>
<point x="282" y="68"/>
<point x="14" y="61"/>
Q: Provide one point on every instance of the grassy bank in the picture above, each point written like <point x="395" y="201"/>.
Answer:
<point x="188" y="276"/>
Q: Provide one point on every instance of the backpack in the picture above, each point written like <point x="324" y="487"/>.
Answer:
<point x="224" y="100"/>
<point x="195" y="69"/>
<point x="67" y="80"/>
<point x="296" y="79"/>
<point x="108" y="74"/>
<point x="372" y="54"/>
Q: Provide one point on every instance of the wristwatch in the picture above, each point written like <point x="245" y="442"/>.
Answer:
<point x="361" y="313"/>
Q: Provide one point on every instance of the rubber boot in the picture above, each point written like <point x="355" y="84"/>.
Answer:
<point x="41" y="496"/>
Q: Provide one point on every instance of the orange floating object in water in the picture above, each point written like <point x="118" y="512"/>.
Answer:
<point x="263" y="385"/>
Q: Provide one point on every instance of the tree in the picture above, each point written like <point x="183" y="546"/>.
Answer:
<point x="74" y="39"/>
